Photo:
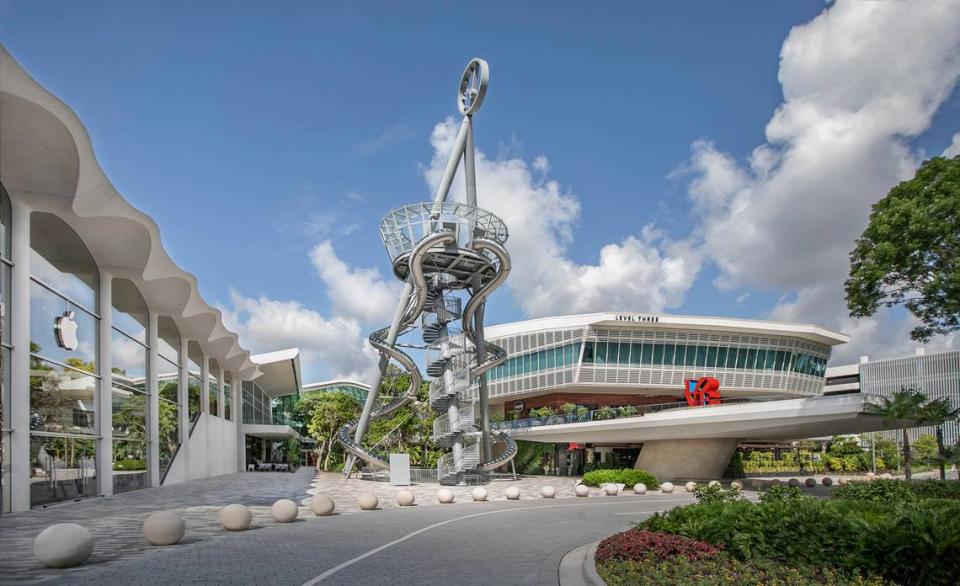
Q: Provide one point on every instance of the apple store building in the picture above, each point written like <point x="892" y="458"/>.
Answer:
<point x="115" y="374"/>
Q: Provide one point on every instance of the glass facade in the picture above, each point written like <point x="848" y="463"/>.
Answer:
<point x="257" y="406"/>
<point x="194" y="382"/>
<point x="227" y="399"/>
<point x="357" y="392"/>
<point x="213" y="388"/>
<point x="5" y="347"/>
<point x="657" y="358"/>
<point x="63" y="369"/>
<point x="128" y="350"/>
<point x="168" y="345"/>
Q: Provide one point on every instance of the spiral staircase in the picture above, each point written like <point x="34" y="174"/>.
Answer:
<point x="451" y="257"/>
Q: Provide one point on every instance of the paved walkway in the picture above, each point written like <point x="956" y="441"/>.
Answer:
<point x="117" y="522"/>
<point x="208" y="554"/>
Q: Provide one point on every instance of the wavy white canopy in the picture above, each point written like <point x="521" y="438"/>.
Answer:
<point x="49" y="164"/>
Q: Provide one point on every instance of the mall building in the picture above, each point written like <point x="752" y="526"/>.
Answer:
<point x="115" y="374"/>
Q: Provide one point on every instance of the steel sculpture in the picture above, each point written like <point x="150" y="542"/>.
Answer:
<point x="451" y="257"/>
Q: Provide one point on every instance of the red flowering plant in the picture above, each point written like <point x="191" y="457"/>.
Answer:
<point x="639" y="544"/>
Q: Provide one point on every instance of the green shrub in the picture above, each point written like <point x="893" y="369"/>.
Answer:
<point x="716" y="494"/>
<point x="935" y="489"/>
<point x="129" y="465"/>
<point x="877" y="491"/>
<point x="910" y="543"/>
<point x="627" y="476"/>
<point x="781" y="493"/>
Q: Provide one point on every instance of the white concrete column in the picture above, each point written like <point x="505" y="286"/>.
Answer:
<point x="220" y="394"/>
<point x="204" y="382"/>
<point x="105" y="393"/>
<point x="153" y="411"/>
<point x="17" y="455"/>
<point x="184" y="450"/>
<point x="236" y="390"/>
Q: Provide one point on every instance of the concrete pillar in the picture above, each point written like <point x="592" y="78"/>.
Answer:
<point x="220" y="394"/>
<point x="153" y="411"/>
<point x="184" y="451"/>
<point x="686" y="459"/>
<point x="17" y="455"/>
<point x="204" y="382"/>
<point x="105" y="389"/>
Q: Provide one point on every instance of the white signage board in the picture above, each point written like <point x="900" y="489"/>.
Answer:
<point x="400" y="469"/>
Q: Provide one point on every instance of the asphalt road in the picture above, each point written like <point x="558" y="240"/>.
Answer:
<point x="502" y="542"/>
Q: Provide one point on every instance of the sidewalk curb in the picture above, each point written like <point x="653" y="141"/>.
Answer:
<point x="577" y="567"/>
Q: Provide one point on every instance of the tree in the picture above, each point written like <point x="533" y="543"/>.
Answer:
<point x="911" y="408"/>
<point x="925" y="448"/>
<point x="325" y="413"/>
<point x="910" y="252"/>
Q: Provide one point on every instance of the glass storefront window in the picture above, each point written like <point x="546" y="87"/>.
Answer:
<point x="61" y="399"/>
<point x="129" y="466"/>
<point x="59" y="258"/>
<point x="213" y="387"/>
<point x="45" y="307"/>
<point x="227" y="401"/>
<point x="61" y="468"/>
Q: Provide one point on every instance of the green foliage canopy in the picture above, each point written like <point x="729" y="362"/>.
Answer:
<point x="910" y="252"/>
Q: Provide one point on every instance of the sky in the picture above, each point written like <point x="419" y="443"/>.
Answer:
<point x="697" y="158"/>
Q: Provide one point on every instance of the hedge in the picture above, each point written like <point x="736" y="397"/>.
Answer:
<point x="627" y="476"/>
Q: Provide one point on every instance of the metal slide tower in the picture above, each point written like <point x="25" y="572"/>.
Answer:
<point x="451" y="257"/>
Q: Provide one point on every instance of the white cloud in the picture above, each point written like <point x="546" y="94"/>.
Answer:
<point x="642" y="272"/>
<point x="954" y="149"/>
<point x="858" y="81"/>
<point x="388" y="137"/>
<point x="361" y="294"/>
<point x="337" y="345"/>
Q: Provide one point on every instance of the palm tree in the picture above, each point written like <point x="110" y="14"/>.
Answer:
<point x="911" y="408"/>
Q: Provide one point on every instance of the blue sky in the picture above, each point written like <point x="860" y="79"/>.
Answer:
<point x="253" y="133"/>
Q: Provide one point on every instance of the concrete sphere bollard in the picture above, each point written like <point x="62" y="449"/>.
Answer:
<point x="776" y="482"/>
<point x="322" y="505"/>
<point x="235" y="517"/>
<point x="367" y="501"/>
<point x="794" y="483"/>
<point x="611" y="489"/>
<point x="690" y="486"/>
<point x="871" y="475"/>
<point x="581" y="490"/>
<point x="445" y="496"/>
<point x="405" y="498"/>
<point x="63" y="545"/>
<point x="843" y="481"/>
<point x="479" y="494"/>
<point x="512" y="493"/>
<point x="639" y="488"/>
<point x="737" y="485"/>
<point x="548" y="492"/>
<point x="164" y="528"/>
<point x="666" y="487"/>
<point x="827" y="481"/>
<point x="810" y="482"/>
<point x="886" y="476"/>
<point x="713" y="483"/>
<point x="284" y="511"/>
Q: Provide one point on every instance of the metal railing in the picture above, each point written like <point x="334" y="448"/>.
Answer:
<point x="624" y="413"/>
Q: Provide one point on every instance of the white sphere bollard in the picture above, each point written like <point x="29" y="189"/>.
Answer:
<point x="713" y="483"/>
<point x="548" y="492"/>
<point x="886" y="476"/>
<point x="581" y="490"/>
<point x="479" y="494"/>
<point x="164" y="528"/>
<point x="690" y="486"/>
<point x="322" y="505"/>
<point x="512" y="493"/>
<point x="666" y="487"/>
<point x="284" y="511"/>
<point x="737" y="485"/>
<point x="639" y="488"/>
<point x="827" y="481"/>
<point x="405" y="498"/>
<point x="871" y="475"/>
<point x="810" y="482"/>
<point x="611" y="489"/>
<point x="235" y="517"/>
<point x="794" y="483"/>
<point x="63" y="545"/>
<point x="445" y="496"/>
<point x="367" y="501"/>
<point x="843" y="481"/>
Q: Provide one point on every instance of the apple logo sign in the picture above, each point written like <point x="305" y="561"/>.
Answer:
<point x="65" y="329"/>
